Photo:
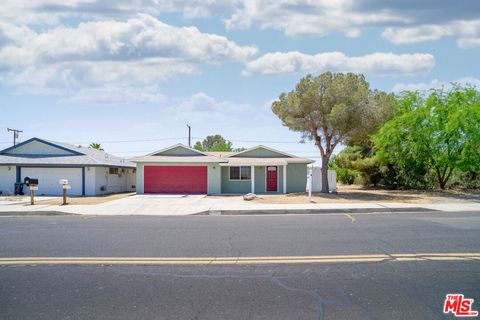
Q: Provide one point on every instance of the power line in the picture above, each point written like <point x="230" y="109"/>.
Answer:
<point x="115" y="141"/>
<point x="257" y="141"/>
<point x="126" y="141"/>
<point x="178" y="138"/>
<point x="147" y="151"/>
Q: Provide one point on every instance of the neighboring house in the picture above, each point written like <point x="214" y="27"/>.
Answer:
<point x="180" y="169"/>
<point x="89" y="171"/>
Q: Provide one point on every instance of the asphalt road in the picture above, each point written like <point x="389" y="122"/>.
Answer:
<point x="197" y="287"/>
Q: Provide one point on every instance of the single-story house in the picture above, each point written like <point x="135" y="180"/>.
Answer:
<point x="88" y="171"/>
<point x="181" y="169"/>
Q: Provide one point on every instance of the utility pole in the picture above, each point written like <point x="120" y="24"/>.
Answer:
<point x="15" y="134"/>
<point x="189" y="136"/>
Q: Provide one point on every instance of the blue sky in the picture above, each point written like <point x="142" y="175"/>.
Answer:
<point x="132" y="74"/>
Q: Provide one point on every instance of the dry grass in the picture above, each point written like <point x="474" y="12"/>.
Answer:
<point x="87" y="200"/>
<point x="351" y="194"/>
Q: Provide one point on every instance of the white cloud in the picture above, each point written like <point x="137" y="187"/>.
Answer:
<point x="198" y="8"/>
<point x="467" y="33"/>
<point x="309" y="17"/>
<point x="435" y="84"/>
<point x="133" y="39"/>
<point x="293" y="17"/>
<point x="69" y="77"/>
<point x="135" y="52"/>
<point x="118" y="95"/>
<point x="51" y="12"/>
<point x="376" y="63"/>
<point x="405" y="21"/>
<point x="201" y="108"/>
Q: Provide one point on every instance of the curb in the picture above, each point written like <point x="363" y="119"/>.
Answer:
<point x="239" y="212"/>
<point x="314" y="211"/>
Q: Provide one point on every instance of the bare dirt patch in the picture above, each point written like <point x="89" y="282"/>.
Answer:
<point x="87" y="200"/>
<point x="356" y="194"/>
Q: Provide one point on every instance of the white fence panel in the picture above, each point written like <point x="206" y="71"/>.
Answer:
<point x="317" y="180"/>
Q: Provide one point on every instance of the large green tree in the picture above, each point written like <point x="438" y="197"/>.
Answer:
<point x="358" y="159"/>
<point x="214" y="143"/>
<point x="438" y="132"/>
<point x="330" y="109"/>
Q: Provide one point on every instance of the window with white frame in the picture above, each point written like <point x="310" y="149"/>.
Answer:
<point x="240" y="173"/>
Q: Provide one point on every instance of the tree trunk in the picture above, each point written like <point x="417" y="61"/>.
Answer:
<point x="325" y="174"/>
<point x="443" y="178"/>
<point x="442" y="184"/>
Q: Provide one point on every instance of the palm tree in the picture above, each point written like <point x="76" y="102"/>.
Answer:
<point x="95" y="145"/>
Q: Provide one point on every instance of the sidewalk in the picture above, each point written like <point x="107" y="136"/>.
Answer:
<point x="172" y="205"/>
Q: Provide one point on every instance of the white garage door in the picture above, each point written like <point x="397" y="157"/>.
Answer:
<point x="48" y="179"/>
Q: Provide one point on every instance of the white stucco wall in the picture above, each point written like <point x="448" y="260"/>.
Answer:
<point x="117" y="182"/>
<point x="101" y="176"/>
<point x="112" y="183"/>
<point x="90" y="186"/>
<point x="131" y="180"/>
<point x="98" y="177"/>
<point x="7" y="179"/>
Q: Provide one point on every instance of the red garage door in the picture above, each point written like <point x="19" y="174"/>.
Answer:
<point x="178" y="179"/>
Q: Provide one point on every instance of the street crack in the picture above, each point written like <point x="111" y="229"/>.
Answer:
<point x="319" y="301"/>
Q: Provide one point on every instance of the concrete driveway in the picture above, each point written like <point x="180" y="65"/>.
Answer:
<point x="132" y="205"/>
<point x="146" y="205"/>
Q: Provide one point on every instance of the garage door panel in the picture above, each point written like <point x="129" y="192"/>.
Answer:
<point x="175" y="179"/>
<point x="48" y="179"/>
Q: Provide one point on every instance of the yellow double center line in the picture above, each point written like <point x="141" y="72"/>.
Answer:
<point x="398" y="257"/>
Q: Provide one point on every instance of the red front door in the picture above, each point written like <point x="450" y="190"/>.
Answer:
<point x="175" y="179"/>
<point x="272" y="178"/>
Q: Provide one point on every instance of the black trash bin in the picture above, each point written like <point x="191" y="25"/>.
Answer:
<point x="19" y="188"/>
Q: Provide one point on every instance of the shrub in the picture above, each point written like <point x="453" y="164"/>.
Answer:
<point x="347" y="176"/>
